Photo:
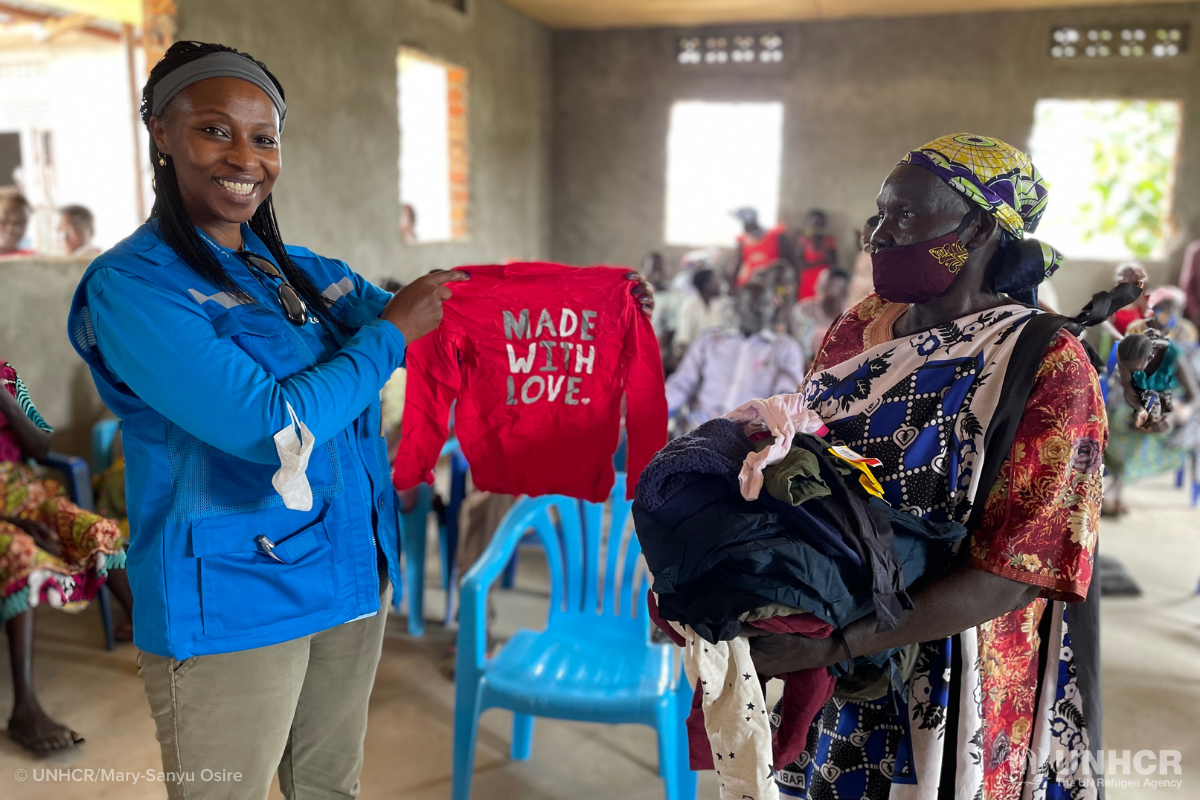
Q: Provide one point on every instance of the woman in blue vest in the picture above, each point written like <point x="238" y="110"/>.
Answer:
<point x="262" y="516"/>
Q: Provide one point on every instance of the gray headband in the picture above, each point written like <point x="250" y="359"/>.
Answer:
<point x="215" y="65"/>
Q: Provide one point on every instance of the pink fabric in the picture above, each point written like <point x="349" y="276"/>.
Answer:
<point x="784" y="415"/>
<point x="9" y="449"/>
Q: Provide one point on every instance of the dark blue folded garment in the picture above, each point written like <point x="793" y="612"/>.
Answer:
<point x="806" y="521"/>
<point x="717" y="448"/>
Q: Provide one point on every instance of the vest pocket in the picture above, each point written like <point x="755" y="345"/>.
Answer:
<point x="242" y="587"/>
<point x="261" y="333"/>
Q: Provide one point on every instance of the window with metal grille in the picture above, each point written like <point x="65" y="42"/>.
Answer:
<point x="1130" y="41"/>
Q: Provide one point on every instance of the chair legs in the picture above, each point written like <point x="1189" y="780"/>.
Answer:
<point x="683" y="706"/>
<point x="466" y="729"/>
<point x="669" y="730"/>
<point x="522" y="739"/>
<point x="413" y="527"/>
<point x="105" y="600"/>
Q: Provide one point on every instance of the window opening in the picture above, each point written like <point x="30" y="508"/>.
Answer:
<point x="434" y="181"/>
<point x="720" y="157"/>
<point x="730" y="48"/>
<point x="1111" y="165"/>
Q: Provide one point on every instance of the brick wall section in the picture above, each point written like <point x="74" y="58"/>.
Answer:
<point x="460" y="183"/>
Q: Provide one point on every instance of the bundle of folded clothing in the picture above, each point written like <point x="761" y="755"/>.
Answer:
<point x="814" y="552"/>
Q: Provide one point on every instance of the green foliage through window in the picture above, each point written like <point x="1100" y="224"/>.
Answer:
<point x="1111" y="166"/>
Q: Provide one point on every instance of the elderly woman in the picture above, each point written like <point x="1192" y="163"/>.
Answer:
<point x="921" y="376"/>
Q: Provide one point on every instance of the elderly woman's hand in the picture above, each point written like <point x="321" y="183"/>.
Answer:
<point x="644" y="293"/>
<point x="781" y="653"/>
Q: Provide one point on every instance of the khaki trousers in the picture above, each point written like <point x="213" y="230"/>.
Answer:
<point x="228" y="722"/>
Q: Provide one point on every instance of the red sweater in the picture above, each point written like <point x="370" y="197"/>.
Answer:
<point x="538" y="357"/>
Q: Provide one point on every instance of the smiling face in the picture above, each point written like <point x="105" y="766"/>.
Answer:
<point x="222" y="136"/>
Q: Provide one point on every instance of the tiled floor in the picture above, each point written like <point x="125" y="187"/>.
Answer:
<point x="1152" y="694"/>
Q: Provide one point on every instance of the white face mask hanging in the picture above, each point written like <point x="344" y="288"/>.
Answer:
<point x="290" y="480"/>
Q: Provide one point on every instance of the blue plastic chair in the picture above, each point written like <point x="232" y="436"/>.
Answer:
<point x="510" y="572"/>
<point x="78" y="485"/>
<point x="413" y="536"/>
<point x="104" y="433"/>
<point x="594" y="662"/>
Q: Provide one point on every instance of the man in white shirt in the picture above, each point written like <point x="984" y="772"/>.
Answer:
<point x="724" y="368"/>
<point x="707" y="308"/>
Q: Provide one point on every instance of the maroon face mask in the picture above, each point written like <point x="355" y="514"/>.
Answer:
<point x="917" y="273"/>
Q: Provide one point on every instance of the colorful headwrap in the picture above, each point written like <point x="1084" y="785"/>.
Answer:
<point x="1003" y="181"/>
<point x="996" y="176"/>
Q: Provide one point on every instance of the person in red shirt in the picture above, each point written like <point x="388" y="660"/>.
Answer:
<point x="816" y="251"/>
<point x="1131" y="272"/>
<point x="758" y="248"/>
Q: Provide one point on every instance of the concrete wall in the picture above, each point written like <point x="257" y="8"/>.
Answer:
<point x="858" y="94"/>
<point x="339" y="189"/>
<point x="35" y="298"/>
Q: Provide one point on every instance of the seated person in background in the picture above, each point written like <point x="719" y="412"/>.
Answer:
<point x="1149" y="395"/>
<point x="76" y="227"/>
<point x="51" y="552"/>
<point x="1144" y="442"/>
<point x="707" y="308"/>
<point x="812" y="318"/>
<point x="408" y="224"/>
<point x="862" y="277"/>
<point x="14" y="221"/>
<point x="725" y="368"/>
<point x="667" y="302"/>
<point x="1166" y="316"/>
<point x="816" y="251"/>
<point x="758" y="248"/>
<point x="1129" y="272"/>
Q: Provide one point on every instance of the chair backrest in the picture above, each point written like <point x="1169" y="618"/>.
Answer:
<point x="598" y="580"/>
<point x="104" y="433"/>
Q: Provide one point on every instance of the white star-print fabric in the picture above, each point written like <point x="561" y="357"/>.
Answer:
<point x="735" y="714"/>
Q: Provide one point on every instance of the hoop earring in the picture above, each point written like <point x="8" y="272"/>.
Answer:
<point x="162" y="160"/>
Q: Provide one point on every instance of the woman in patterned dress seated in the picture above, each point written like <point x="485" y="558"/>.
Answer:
<point x="915" y="377"/>
<point x="51" y="552"/>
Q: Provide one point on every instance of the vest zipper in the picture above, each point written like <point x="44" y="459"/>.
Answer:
<point x="374" y="513"/>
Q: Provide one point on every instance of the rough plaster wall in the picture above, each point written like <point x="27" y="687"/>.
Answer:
<point x="35" y="297"/>
<point x="339" y="189"/>
<point x="857" y="95"/>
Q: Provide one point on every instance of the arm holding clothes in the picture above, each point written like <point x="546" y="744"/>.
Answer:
<point x="1037" y="535"/>
<point x="165" y="349"/>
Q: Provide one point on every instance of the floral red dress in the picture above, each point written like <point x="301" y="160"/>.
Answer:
<point x="1039" y="527"/>
<point x="91" y="545"/>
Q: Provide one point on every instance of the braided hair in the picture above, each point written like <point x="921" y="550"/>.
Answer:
<point x="176" y="228"/>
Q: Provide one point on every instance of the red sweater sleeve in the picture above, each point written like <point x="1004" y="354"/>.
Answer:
<point x="432" y="386"/>
<point x="645" y="399"/>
